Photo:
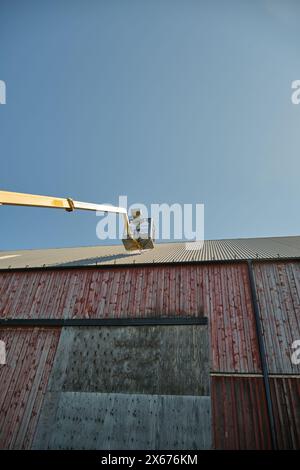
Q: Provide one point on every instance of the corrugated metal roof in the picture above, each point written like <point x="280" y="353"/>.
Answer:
<point x="222" y="250"/>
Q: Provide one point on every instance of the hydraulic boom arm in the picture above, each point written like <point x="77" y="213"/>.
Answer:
<point x="23" y="199"/>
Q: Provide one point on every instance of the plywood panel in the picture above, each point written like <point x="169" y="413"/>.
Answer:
<point x="123" y="421"/>
<point x="146" y="359"/>
<point x="285" y="394"/>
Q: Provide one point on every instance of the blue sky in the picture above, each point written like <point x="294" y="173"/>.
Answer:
<point x="160" y="100"/>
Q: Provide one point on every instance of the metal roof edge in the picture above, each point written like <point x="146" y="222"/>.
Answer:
<point x="149" y="265"/>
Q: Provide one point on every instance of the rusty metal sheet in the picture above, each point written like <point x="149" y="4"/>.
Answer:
<point x="220" y="292"/>
<point x="227" y="301"/>
<point x="23" y="381"/>
<point x="239" y="413"/>
<point x="285" y="394"/>
<point x="278" y="292"/>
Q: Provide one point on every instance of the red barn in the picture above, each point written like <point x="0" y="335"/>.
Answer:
<point x="169" y="348"/>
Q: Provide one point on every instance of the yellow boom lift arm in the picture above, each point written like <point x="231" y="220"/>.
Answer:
<point x="32" y="200"/>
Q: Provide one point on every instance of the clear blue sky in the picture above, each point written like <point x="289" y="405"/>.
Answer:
<point x="162" y="100"/>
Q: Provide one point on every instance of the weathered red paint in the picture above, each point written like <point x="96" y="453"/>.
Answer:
<point x="239" y="413"/>
<point x="278" y="290"/>
<point x="23" y="381"/>
<point x="220" y="292"/>
<point x="285" y="392"/>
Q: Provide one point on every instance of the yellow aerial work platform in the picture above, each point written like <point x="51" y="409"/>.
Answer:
<point x="139" y="233"/>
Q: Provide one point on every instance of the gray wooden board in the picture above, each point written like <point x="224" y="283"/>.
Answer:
<point x="152" y="359"/>
<point x="85" y="420"/>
